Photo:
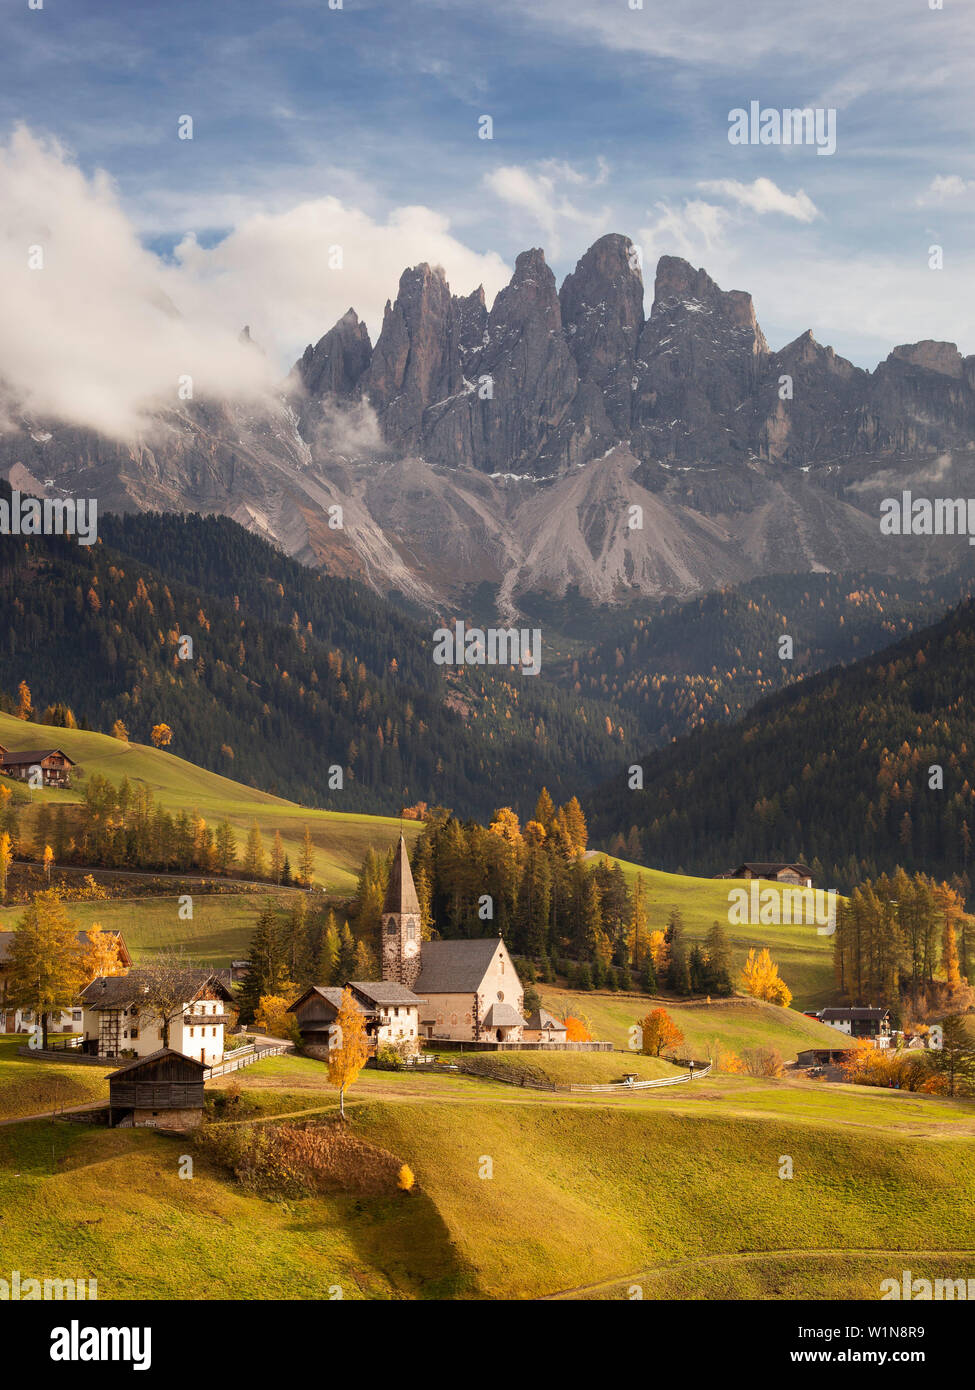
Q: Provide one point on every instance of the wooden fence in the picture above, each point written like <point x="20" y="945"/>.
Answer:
<point x="245" y="1057"/>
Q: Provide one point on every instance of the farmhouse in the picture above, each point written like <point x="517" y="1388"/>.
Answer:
<point x="22" y="1020"/>
<point x="118" y="1022"/>
<point x="858" y="1022"/>
<point x="51" y="764"/>
<point x="389" y="1008"/>
<point x="161" y="1091"/>
<point x="779" y="872"/>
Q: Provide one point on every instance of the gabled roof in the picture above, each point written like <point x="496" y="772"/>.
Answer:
<point x="854" y="1013"/>
<point x="331" y="996"/>
<point x="118" y="991"/>
<point x="502" y="1016"/>
<point x="455" y="967"/>
<point x="541" y="1018"/>
<point x="766" y="869"/>
<point x="385" y="992"/>
<point x="34" y="755"/>
<point x="156" y="1057"/>
<point x="401" y="890"/>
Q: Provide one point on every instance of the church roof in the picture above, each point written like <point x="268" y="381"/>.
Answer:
<point x="401" y="891"/>
<point x="454" y="967"/>
<point x="385" y="992"/>
<point x="541" y="1018"/>
<point x="502" y="1016"/>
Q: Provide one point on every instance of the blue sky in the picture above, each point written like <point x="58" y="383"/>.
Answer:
<point x="605" y="118"/>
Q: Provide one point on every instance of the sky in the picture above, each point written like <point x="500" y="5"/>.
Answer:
<point x="358" y="127"/>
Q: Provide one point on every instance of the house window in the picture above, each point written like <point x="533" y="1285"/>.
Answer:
<point x="133" y="1032"/>
<point x="192" y="1031"/>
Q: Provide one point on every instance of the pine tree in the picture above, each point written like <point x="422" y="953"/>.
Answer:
<point x="306" y="859"/>
<point x="266" y="966"/>
<point x="345" y="968"/>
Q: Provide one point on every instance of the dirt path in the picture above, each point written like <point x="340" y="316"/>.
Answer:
<point x="742" y="1257"/>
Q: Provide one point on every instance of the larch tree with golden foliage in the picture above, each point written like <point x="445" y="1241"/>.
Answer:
<point x="347" y="1058"/>
<point x="100" y="954"/>
<point x="6" y="859"/>
<point x="45" y="960"/>
<point x="760" y="978"/>
<point x="162" y="735"/>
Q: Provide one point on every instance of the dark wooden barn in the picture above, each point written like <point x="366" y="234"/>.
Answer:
<point x="161" y="1091"/>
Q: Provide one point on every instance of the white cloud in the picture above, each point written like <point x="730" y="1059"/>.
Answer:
<point x="764" y="196"/>
<point x="101" y="335"/>
<point x="943" y="187"/>
<point x="539" y="194"/>
<point x="693" y="231"/>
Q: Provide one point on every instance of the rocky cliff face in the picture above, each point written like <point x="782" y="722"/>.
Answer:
<point x="507" y="444"/>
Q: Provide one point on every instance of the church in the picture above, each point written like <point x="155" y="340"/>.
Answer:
<point x="468" y="990"/>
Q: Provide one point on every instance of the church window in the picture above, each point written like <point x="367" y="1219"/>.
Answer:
<point x="501" y="963"/>
<point x="391" y="929"/>
<point x="500" y="996"/>
<point x="410" y="931"/>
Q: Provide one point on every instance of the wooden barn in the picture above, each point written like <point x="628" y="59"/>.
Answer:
<point x="54" y="766"/>
<point x="161" y="1091"/>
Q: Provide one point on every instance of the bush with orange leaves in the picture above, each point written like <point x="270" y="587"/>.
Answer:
<point x="576" y="1030"/>
<point x="899" y="1068"/>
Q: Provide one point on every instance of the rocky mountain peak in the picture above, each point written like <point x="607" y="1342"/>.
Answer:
<point x="932" y="356"/>
<point x="602" y="314"/>
<point x="335" y="364"/>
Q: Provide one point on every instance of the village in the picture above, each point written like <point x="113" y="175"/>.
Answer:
<point x="170" y="1030"/>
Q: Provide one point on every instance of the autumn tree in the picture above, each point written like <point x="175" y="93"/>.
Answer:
<point x="348" y="1055"/>
<point x="45" y="972"/>
<point x="254" y="858"/>
<point x="6" y="859"/>
<point x="120" y="732"/>
<point x="277" y="857"/>
<point x="576" y="1029"/>
<point x="659" y="1031"/>
<point x="306" y="859"/>
<point x="272" y="1016"/>
<point x="100" y="954"/>
<point x="760" y="978"/>
<point x="162" y="735"/>
<point x="24" y="706"/>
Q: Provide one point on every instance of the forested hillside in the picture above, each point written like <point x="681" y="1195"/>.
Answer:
<point x="855" y="770"/>
<point x="291" y="673"/>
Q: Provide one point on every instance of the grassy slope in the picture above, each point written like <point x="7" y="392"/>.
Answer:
<point x="220" y="931"/>
<point x="29" y="1087"/>
<point x="738" y="1022"/>
<point x="566" y="1068"/>
<point x="804" y="958"/>
<point x="340" y="840"/>
<point x="677" y="1190"/>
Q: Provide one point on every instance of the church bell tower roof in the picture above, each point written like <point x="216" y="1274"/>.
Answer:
<point x="401" y="892"/>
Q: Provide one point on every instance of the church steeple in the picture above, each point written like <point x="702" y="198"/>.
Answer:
<point x="401" y="922"/>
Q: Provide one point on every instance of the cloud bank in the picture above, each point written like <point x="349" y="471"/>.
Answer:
<point x="98" y="331"/>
